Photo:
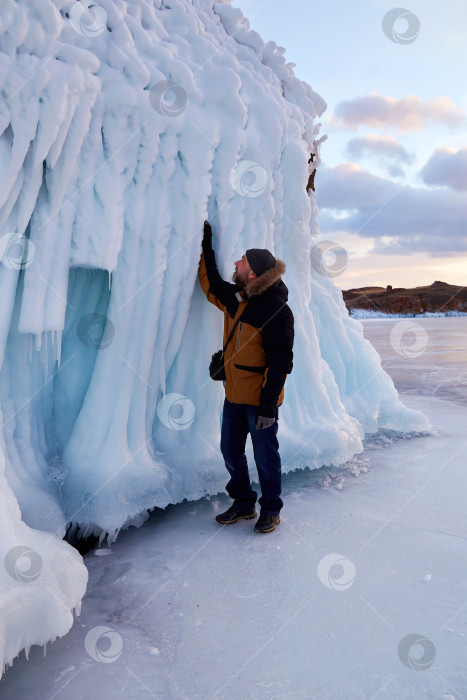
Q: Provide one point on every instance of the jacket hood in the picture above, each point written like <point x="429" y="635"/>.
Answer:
<point x="271" y="279"/>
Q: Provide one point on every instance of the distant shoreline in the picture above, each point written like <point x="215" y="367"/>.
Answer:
<point x="365" y="314"/>
<point x="437" y="299"/>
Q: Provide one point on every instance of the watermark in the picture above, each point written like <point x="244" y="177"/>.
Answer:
<point x="16" y="251"/>
<point x="23" y="564"/>
<point x="336" y="572"/>
<point x="168" y="98"/>
<point x="408" y="338"/>
<point x="329" y="258"/>
<point x="392" y="28"/>
<point x="103" y="644"/>
<point x="424" y="649"/>
<point x="248" y="178"/>
<point x="176" y="411"/>
<point x="88" y="18"/>
<point x="96" y="331"/>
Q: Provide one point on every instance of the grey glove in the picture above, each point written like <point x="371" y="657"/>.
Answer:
<point x="265" y="417"/>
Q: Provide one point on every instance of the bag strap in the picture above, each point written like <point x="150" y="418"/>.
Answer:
<point x="233" y="330"/>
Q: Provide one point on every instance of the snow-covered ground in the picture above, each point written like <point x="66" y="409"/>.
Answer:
<point x="359" y="593"/>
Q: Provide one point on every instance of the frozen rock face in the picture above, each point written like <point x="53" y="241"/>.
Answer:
<point x="123" y="126"/>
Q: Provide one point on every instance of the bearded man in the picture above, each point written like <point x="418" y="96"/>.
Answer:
<point x="257" y="359"/>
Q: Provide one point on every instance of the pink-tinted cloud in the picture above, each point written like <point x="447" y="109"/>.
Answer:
<point x="380" y="145"/>
<point x="389" y="152"/>
<point x="400" y="218"/>
<point x="448" y="168"/>
<point x="408" y="114"/>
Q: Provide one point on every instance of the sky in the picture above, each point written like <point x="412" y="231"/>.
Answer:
<point x="392" y="188"/>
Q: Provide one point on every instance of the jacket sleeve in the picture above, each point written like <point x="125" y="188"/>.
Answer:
<point x="278" y="339"/>
<point x="219" y="292"/>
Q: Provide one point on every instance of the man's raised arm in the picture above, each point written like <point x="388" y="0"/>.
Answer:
<point x="219" y="292"/>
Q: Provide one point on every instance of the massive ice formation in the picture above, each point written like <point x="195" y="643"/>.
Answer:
<point x="123" y="126"/>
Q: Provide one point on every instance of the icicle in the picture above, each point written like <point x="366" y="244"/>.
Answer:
<point x="38" y="342"/>
<point x="54" y="347"/>
<point x="110" y="279"/>
<point x="58" y="350"/>
<point x="111" y="536"/>
<point x="45" y="353"/>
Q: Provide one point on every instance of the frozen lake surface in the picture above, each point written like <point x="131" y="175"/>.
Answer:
<point x="360" y="593"/>
<point x="427" y="356"/>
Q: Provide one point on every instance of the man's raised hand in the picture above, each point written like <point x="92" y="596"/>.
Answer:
<point x="207" y="238"/>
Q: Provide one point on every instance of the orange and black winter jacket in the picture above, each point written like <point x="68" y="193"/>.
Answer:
<point x="259" y="355"/>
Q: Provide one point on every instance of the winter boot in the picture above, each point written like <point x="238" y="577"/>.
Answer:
<point x="267" y="523"/>
<point x="233" y="514"/>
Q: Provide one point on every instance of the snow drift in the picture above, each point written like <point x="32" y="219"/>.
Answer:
<point x="123" y="126"/>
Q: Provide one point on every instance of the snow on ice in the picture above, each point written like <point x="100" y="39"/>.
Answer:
<point x="123" y="127"/>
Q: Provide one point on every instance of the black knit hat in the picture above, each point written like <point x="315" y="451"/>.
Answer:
<point x="260" y="260"/>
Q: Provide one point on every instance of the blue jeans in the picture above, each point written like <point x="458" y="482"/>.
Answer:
<point x="238" y="419"/>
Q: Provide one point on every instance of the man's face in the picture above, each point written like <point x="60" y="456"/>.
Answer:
<point x="243" y="272"/>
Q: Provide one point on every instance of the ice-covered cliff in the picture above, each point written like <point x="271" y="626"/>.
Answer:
<point x="123" y="125"/>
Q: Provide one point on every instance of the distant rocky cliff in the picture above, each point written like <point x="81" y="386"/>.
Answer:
<point x="437" y="297"/>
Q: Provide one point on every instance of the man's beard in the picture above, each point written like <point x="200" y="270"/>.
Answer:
<point x="238" y="279"/>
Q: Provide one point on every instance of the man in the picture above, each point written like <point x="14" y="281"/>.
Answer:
<point x="256" y="361"/>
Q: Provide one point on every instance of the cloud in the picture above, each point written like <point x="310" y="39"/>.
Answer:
<point x="387" y="149"/>
<point x="400" y="218"/>
<point x="447" y="168"/>
<point x="408" y="114"/>
<point x="395" y="170"/>
<point x="385" y="145"/>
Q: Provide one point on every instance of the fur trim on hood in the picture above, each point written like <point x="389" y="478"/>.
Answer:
<point x="264" y="281"/>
